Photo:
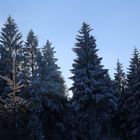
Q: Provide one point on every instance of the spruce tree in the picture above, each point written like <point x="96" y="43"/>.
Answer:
<point x="133" y="73"/>
<point x="47" y="89"/>
<point x="2" y="68"/>
<point x="51" y="72"/>
<point x="30" y="58"/>
<point x="133" y="79"/>
<point x="120" y="79"/>
<point x="91" y="87"/>
<point x="119" y="85"/>
<point x="48" y="73"/>
<point x="10" y="40"/>
<point x="88" y="74"/>
<point x="132" y="103"/>
<point x="30" y="53"/>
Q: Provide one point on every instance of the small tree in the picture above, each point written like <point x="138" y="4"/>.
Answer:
<point x="119" y="85"/>
<point x="120" y="79"/>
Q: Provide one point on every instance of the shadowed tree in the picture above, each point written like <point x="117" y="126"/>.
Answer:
<point x="10" y="40"/>
<point x="30" y="56"/>
<point x="120" y="79"/>
<point x="92" y="95"/>
<point x="131" y="104"/>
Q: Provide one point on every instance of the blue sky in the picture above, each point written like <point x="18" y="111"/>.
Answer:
<point x="115" y="23"/>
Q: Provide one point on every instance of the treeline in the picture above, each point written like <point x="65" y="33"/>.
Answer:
<point x="33" y="94"/>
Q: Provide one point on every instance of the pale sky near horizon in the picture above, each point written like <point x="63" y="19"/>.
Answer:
<point x="115" y="23"/>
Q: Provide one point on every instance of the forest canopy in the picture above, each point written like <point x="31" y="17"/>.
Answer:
<point x="33" y="96"/>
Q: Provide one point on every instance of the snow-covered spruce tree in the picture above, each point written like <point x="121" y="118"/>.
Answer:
<point x="30" y="57"/>
<point x="50" y="73"/>
<point x="29" y="62"/>
<point x="92" y="95"/>
<point x="47" y="90"/>
<point x="10" y="39"/>
<point x="47" y="76"/>
<point x="132" y="100"/>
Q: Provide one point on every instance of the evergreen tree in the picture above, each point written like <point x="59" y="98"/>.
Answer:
<point x="2" y="68"/>
<point x="91" y="92"/>
<point x="48" y="76"/>
<point x="30" y="56"/>
<point x="120" y="80"/>
<point x="10" y="40"/>
<point x="133" y="79"/>
<point x="119" y="85"/>
<point x="133" y="73"/>
<point x="47" y="90"/>
<point x="51" y="72"/>
<point x="131" y="105"/>
<point x="29" y="60"/>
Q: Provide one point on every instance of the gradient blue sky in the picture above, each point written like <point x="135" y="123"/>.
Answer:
<point x="115" y="23"/>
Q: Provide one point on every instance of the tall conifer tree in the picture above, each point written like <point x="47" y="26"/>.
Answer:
<point x="51" y="72"/>
<point x="29" y="64"/>
<point x="31" y="46"/>
<point x="131" y="105"/>
<point x="10" y="40"/>
<point x="91" y="87"/>
<point x="48" y="73"/>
